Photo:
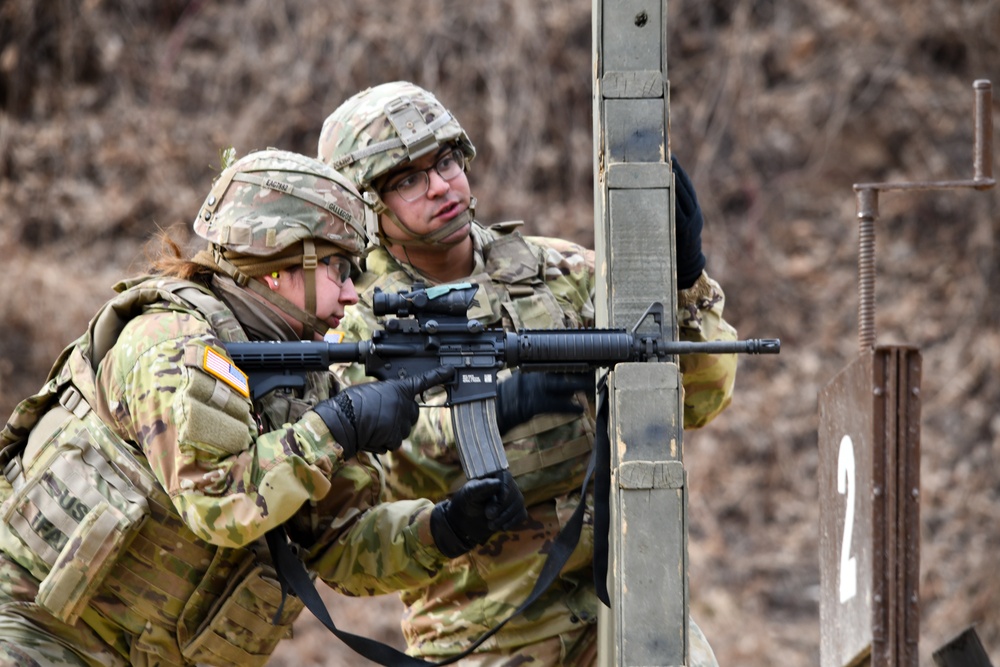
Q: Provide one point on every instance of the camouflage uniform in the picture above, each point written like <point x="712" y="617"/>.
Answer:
<point x="529" y="282"/>
<point x="138" y="482"/>
<point x="450" y="603"/>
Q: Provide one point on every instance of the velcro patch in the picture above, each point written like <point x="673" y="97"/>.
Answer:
<point x="219" y="366"/>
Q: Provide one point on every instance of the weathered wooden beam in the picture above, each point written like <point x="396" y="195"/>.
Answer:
<point x="634" y="240"/>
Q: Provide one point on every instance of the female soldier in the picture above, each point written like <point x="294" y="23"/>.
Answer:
<point x="138" y="482"/>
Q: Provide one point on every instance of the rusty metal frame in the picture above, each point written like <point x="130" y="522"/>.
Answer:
<point x="889" y="424"/>
<point x="867" y="205"/>
<point x="876" y="402"/>
<point x="896" y="510"/>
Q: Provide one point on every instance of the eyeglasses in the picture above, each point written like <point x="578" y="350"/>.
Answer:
<point x="414" y="186"/>
<point x="338" y="268"/>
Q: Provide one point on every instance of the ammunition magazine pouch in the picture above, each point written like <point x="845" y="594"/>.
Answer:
<point x="522" y="463"/>
<point x="74" y="499"/>
<point x="241" y="628"/>
<point x="71" y="506"/>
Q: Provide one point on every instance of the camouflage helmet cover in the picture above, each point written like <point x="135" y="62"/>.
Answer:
<point x="270" y="200"/>
<point x="383" y="127"/>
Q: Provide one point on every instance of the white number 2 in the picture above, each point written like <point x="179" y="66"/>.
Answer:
<point x="845" y="478"/>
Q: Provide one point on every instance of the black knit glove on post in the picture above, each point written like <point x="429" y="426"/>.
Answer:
<point x="480" y="508"/>
<point x="688" y="223"/>
<point x="525" y="395"/>
<point x="376" y="416"/>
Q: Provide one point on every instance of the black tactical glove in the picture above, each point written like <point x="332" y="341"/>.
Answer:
<point x="524" y="395"/>
<point x="480" y="508"/>
<point x="688" y="223"/>
<point x="376" y="416"/>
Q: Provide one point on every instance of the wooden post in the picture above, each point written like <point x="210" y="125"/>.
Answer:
<point x="634" y="241"/>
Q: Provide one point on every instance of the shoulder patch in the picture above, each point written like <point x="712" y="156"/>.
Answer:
<point x="219" y="366"/>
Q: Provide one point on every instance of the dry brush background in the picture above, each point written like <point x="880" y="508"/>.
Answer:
<point x="112" y="115"/>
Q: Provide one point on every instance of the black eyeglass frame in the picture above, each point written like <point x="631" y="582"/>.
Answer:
<point x="417" y="183"/>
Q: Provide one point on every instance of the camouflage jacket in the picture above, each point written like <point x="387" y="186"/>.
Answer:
<point x="182" y="476"/>
<point x="530" y="282"/>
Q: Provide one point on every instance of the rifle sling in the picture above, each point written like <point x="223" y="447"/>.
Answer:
<point x="292" y="575"/>
<point x="601" y="458"/>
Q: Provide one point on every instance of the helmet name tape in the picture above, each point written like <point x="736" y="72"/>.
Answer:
<point x="340" y="212"/>
<point x="292" y="191"/>
<point x="277" y="185"/>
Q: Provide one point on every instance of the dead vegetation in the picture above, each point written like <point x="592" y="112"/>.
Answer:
<point x="112" y="115"/>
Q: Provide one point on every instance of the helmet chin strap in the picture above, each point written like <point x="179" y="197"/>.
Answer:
<point x="430" y="239"/>
<point x="309" y="263"/>
<point x="311" y="324"/>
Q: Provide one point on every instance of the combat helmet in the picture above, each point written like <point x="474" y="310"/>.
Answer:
<point x="383" y="127"/>
<point x="273" y="209"/>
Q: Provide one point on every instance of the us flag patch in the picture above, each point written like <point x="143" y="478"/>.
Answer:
<point x="219" y="366"/>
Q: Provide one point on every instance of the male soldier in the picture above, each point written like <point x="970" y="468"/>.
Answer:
<point x="137" y="484"/>
<point x="408" y="155"/>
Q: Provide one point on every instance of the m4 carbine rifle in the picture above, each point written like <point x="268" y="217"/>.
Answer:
<point x="431" y="328"/>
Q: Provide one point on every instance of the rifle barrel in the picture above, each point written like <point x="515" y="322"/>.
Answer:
<point x="748" y="346"/>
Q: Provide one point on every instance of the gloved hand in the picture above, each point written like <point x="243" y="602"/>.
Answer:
<point x="376" y="416"/>
<point x="524" y="395"/>
<point x="688" y="222"/>
<point x="480" y="508"/>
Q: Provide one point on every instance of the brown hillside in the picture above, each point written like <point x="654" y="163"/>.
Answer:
<point x="112" y="116"/>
